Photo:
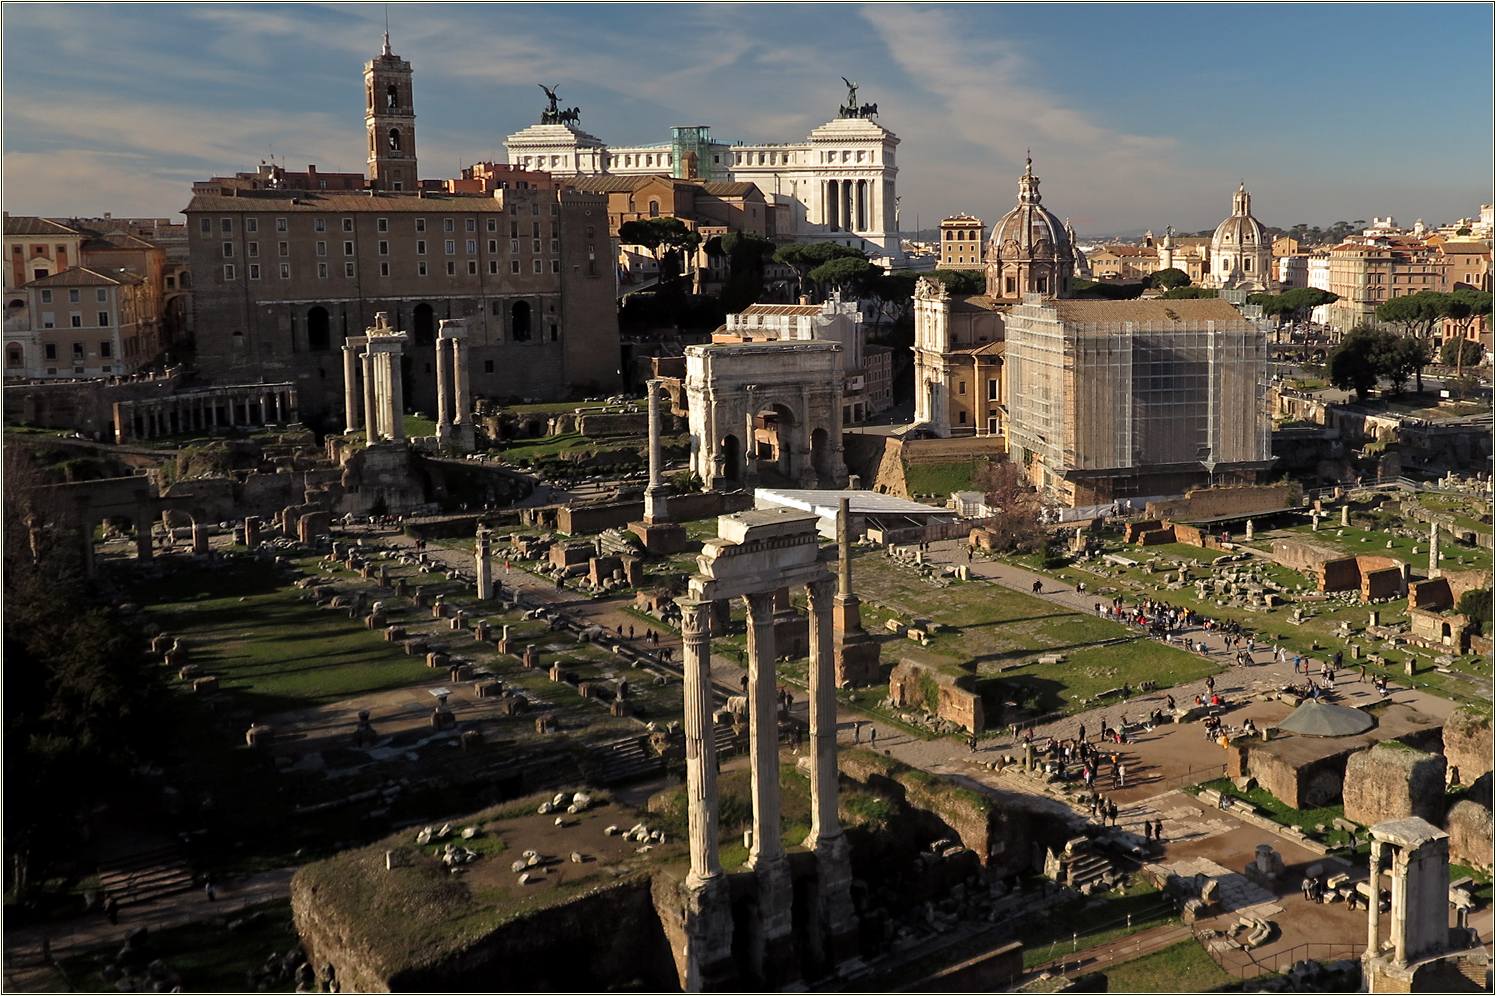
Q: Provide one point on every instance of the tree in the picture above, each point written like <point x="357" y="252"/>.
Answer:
<point x="746" y="254"/>
<point x="669" y="240"/>
<point x="962" y="281"/>
<point x="82" y="700"/>
<point x="849" y="275"/>
<point x="1476" y="605"/>
<point x="1400" y="358"/>
<point x="1415" y="314"/>
<point x="1015" y="505"/>
<point x="1108" y="292"/>
<point x="1353" y="365"/>
<point x="1189" y="293"/>
<point x="1460" y="352"/>
<point x="893" y="293"/>
<point x="1170" y="278"/>
<point x="806" y="256"/>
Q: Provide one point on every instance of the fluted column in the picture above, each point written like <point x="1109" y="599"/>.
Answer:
<point x="397" y="398"/>
<point x="463" y="416"/>
<point x="766" y="857"/>
<point x="371" y="417"/>
<point x="443" y="389"/>
<point x="706" y="961"/>
<point x="823" y="793"/>
<point x="1374" y="906"/>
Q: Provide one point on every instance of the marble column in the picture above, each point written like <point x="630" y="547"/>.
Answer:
<point x="445" y="357"/>
<point x="1433" y="549"/>
<point x="707" y="956"/>
<point x="483" y="565"/>
<point x="397" y="398"/>
<point x="350" y="388"/>
<point x="371" y="415"/>
<point x="767" y="858"/>
<point x="1399" y="912"/>
<point x="462" y="418"/>
<point x="656" y="496"/>
<point x="750" y="444"/>
<point x="1345" y="515"/>
<point x="1374" y="910"/>
<point x="836" y="912"/>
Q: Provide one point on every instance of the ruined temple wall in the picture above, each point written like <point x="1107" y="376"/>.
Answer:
<point x="1300" y="784"/>
<point x="1210" y="503"/>
<point x="1469" y="828"/>
<point x="1467" y="742"/>
<point x="1392" y="783"/>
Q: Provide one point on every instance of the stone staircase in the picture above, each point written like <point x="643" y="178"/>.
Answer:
<point x="1080" y="867"/>
<point x="144" y="875"/>
<point x="622" y="761"/>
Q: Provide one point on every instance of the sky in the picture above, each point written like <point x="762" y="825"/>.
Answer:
<point x="1136" y="115"/>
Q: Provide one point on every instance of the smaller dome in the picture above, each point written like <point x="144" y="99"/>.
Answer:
<point x="1241" y="230"/>
<point x="1030" y="230"/>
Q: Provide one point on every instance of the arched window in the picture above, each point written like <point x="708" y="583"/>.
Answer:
<point x="392" y="97"/>
<point x="423" y="321"/>
<point x="395" y="139"/>
<point x="318" y="330"/>
<point x="654" y="209"/>
<point x="519" y="321"/>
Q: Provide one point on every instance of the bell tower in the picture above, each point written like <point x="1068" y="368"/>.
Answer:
<point x="390" y="119"/>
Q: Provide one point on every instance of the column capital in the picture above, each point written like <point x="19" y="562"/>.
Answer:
<point x="821" y="593"/>
<point x="760" y="607"/>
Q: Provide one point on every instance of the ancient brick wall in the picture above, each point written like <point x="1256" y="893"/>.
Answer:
<point x="1384" y="582"/>
<point x="1433" y="595"/>
<point x="1340" y="575"/>
<point x="1299" y="556"/>
<point x="1209" y="503"/>
<point x="1469" y="828"/>
<point x="1467" y="742"/>
<point x="955" y="701"/>
<point x="1394" y="782"/>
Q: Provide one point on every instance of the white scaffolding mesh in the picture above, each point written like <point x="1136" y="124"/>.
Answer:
<point x="1114" y="396"/>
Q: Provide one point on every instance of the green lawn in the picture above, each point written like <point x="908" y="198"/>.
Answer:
<point x="210" y="959"/>
<point x="1357" y="541"/>
<point x="939" y="478"/>
<point x="266" y="645"/>
<point x="1077" y="924"/>
<point x="1182" y="968"/>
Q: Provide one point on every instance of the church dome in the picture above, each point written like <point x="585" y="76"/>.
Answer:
<point x="1241" y="231"/>
<point x="1030" y="231"/>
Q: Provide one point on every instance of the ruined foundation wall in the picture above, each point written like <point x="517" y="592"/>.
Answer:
<point x="1392" y="783"/>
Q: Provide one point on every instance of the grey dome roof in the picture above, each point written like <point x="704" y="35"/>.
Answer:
<point x="1029" y="230"/>
<point x="1241" y="230"/>
<point x="1320" y="719"/>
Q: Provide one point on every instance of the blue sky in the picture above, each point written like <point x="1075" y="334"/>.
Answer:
<point x="1138" y="115"/>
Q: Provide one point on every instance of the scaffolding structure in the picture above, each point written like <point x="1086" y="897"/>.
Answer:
<point x="1116" y="398"/>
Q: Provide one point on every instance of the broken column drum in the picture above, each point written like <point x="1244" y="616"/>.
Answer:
<point x="755" y="554"/>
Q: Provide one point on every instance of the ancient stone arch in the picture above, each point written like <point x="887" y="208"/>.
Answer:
<point x="730" y="386"/>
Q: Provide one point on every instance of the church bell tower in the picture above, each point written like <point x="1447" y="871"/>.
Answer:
<point x="390" y="119"/>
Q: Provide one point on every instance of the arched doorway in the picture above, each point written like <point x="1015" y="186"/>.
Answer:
<point x="820" y="458"/>
<point x="423" y="325"/>
<point x="782" y="421"/>
<point x="318" y="330"/>
<point x="731" y="452"/>
<point x="519" y="321"/>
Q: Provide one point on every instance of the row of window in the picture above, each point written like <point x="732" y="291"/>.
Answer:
<point x="960" y="235"/>
<point x="422" y="270"/>
<point x="829" y="156"/>
<point x="380" y="224"/>
<point x="49" y="351"/>
<point x="252" y="249"/>
<point x="75" y="320"/>
<point x="75" y="295"/>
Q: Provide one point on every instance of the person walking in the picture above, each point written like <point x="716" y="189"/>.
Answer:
<point x="857" y="731"/>
<point x="1111" y="808"/>
<point x="111" y="910"/>
<point x="209" y="891"/>
<point x="872" y="737"/>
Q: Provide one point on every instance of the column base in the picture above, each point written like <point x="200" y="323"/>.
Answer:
<point x="705" y="963"/>
<point x="660" y="537"/>
<point x="780" y="960"/>
<point x="835" y="911"/>
<point x="855" y="660"/>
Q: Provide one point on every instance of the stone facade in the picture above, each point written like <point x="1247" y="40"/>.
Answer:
<point x="1469" y="826"/>
<point x="1467" y="742"/>
<point x="1392" y="782"/>
<point x="754" y="404"/>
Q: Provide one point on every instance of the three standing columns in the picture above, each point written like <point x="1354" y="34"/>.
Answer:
<point x="773" y="959"/>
